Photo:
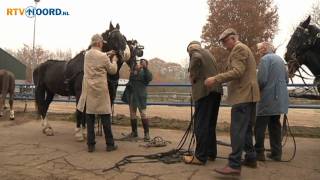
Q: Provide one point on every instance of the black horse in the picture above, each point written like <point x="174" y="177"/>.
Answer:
<point x="304" y="49"/>
<point x="65" y="77"/>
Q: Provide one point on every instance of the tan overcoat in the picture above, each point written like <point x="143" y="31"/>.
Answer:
<point x="95" y="93"/>
<point x="241" y="76"/>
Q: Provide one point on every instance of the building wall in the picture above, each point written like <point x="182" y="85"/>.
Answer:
<point x="10" y="63"/>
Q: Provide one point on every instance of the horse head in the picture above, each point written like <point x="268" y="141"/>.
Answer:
<point x="302" y="40"/>
<point x="115" y="40"/>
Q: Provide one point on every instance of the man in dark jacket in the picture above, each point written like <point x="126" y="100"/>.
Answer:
<point x="272" y="79"/>
<point x="207" y="101"/>
<point x="137" y="97"/>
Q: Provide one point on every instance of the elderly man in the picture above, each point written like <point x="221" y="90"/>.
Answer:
<point x="207" y="101"/>
<point x="272" y="79"/>
<point x="243" y="93"/>
<point x="95" y="97"/>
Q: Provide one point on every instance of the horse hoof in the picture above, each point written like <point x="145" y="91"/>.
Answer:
<point x="78" y="135"/>
<point x="84" y="134"/>
<point x="79" y="139"/>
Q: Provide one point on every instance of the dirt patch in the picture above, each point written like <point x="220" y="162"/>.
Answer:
<point x="26" y="153"/>
<point x="304" y="122"/>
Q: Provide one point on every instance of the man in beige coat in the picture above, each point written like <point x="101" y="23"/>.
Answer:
<point x="243" y="93"/>
<point x="95" y="98"/>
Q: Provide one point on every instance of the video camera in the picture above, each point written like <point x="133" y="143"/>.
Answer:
<point x="138" y="48"/>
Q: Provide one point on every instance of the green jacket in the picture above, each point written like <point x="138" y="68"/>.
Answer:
<point x="137" y="89"/>
<point x="202" y="65"/>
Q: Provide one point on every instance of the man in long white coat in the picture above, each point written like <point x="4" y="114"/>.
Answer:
<point x="95" y="98"/>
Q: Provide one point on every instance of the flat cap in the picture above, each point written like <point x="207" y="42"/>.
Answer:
<point x="193" y="45"/>
<point x="226" y="33"/>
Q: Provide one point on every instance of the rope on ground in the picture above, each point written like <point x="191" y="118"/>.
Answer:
<point x="157" y="141"/>
<point x="168" y="157"/>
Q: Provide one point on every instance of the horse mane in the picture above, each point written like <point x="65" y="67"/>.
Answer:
<point x="55" y="60"/>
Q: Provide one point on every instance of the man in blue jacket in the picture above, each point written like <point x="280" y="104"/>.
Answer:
<point x="272" y="79"/>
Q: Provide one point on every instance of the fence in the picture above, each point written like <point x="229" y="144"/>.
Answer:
<point x="26" y="92"/>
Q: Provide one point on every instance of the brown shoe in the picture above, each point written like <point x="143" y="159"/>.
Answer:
<point x="192" y="160"/>
<point x="261" y="157"/>
<point x="228" y="171"/>
<point x="250" y="163"/>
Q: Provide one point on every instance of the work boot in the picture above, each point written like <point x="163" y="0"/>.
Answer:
<point x="91" y="148"/>
<point x="274" y="157"/>
<point x="111" y="148"/>
<point x="134" y="128"/>
<point x="261" y="157"/>
<point x="145" y="124"/>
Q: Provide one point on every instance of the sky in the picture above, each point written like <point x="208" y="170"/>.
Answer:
<point x="164" y="27"/>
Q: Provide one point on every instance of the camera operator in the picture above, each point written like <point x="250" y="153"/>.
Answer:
<point x="136" y="96"/>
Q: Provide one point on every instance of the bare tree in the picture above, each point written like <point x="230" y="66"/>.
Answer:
<point x="255" y="20"/>
<point x="25" y="55"/>
<point x="315" y="13"/>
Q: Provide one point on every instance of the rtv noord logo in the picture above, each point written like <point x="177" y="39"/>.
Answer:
<point x="32" y="11"/>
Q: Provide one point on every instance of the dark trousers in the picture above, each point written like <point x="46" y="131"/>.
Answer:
<point x="274" y="128"/>
<point x="106" y="124"/>
<point x="205" y="121"/>
<point x="242" y="119"/>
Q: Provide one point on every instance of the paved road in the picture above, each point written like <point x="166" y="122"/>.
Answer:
<point x="25" y="153"/>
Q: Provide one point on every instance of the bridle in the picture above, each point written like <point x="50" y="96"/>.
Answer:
<point x="118" y="52"/>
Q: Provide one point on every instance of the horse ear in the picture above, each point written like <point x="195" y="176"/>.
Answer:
<point x="306" y="22"/>
<point x="111" y="26"/>
<point x="118" y="26"/>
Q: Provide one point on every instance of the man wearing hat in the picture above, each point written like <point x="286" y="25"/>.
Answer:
<point x="95" y="97"/>
<point x="207" y="101"/>
<point x="243" y="93"/>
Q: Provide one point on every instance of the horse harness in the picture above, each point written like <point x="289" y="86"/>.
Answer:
<point x="310" y="41"/>
<point x="69" y="79"/>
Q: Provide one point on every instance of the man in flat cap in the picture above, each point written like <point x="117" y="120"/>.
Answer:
<point x="95" y="98"/>
<point x="207" y="101"/>
<point x="243" y="93"/>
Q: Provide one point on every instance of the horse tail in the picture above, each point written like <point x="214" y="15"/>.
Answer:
<point x="40" y="91"/>
<point x="12" y="79"/>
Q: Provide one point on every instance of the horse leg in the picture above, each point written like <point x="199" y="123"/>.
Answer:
<point x="11" y="106"/>
<point x="80" y="131"/>
<point x="2" y="98"/>
<point x="4" y="90"/>
<point x="113" y="86"/>
<point x="11" y="93"/>
<point x="47" y="128"/>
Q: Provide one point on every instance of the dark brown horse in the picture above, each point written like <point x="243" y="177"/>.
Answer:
<point x="7" y="85"/>
<point x="65" y="77"/>
<point x="304" y="49"/>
